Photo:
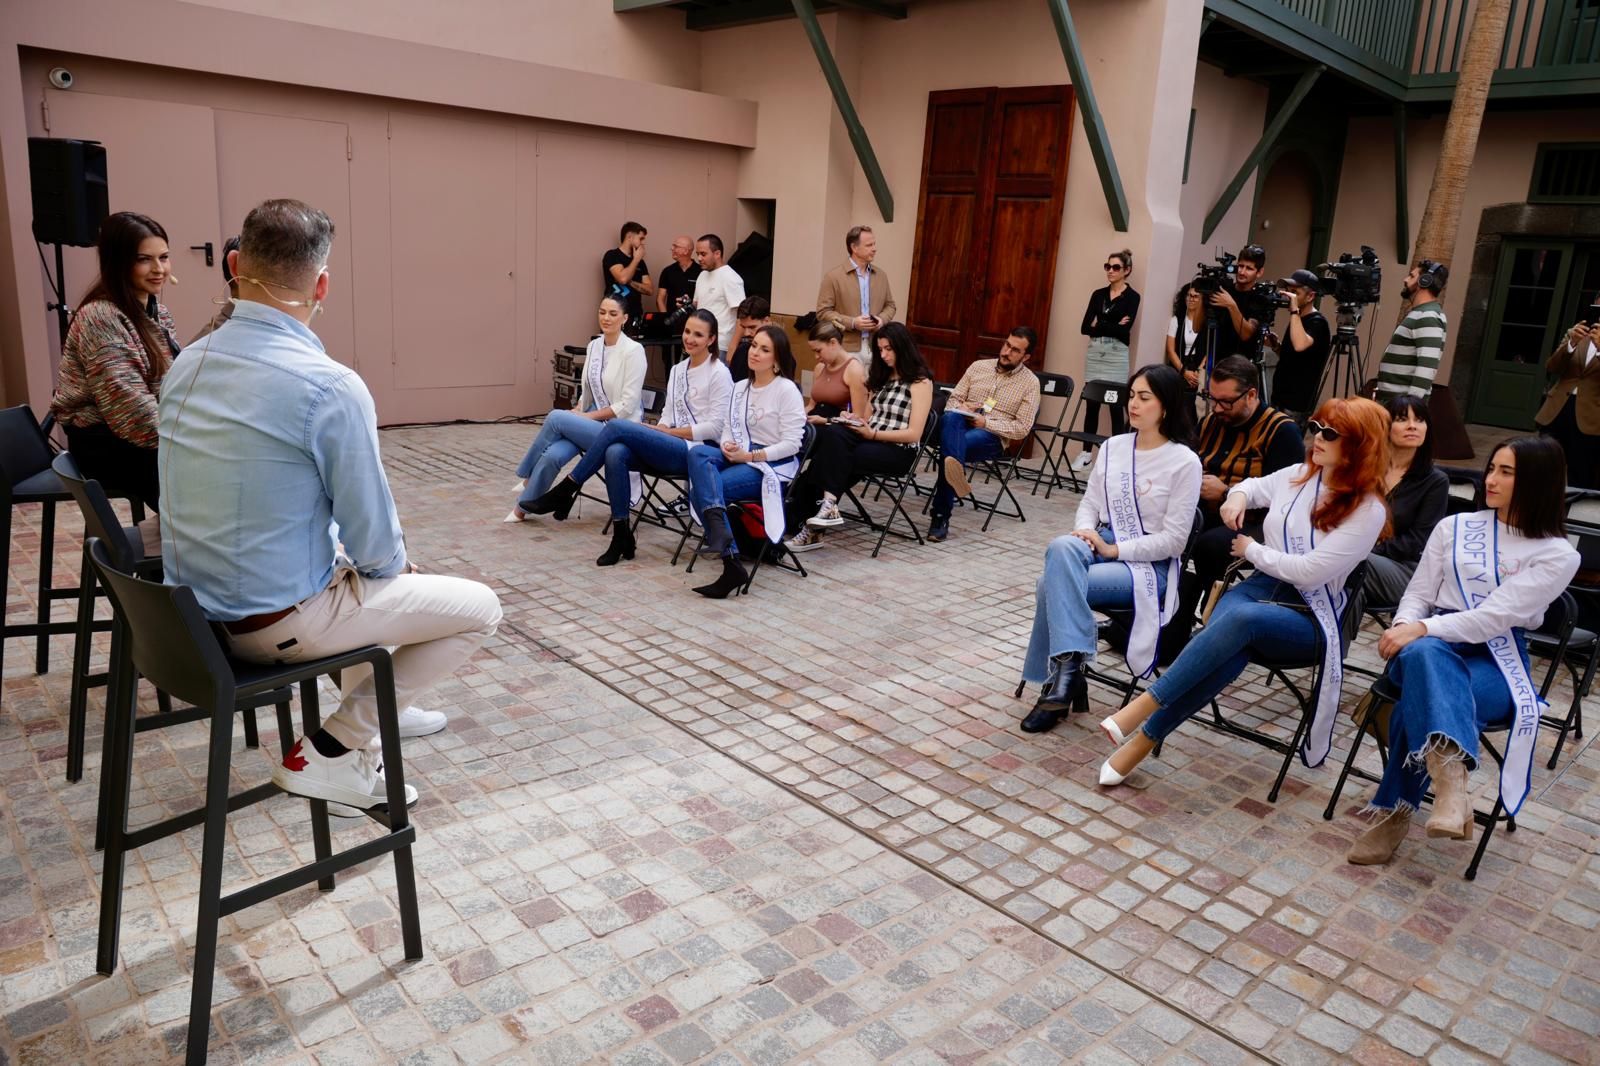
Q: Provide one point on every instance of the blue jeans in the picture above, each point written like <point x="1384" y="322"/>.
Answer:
<point x="623" y="447"/>
<point x="564" y="435"/>
<point x="1072" y="585"/>
<point x="959" y="441"/>
<point x="1243" y="623"/>
<point x="714" y="482"/>
<point x="1446" y="691"/>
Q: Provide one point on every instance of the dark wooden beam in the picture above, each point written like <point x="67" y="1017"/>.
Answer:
<point x="806" y="12"/>
<point x="1094" y="125"/>
<point x="1269" y="137"/>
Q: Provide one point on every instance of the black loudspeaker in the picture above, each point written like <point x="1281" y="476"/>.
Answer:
<point x="70" y="196"/>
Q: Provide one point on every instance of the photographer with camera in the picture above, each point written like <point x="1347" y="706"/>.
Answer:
<point x="624" y="273"/>
<point x="1412" y="358"/>
<point x="675" y="286"/>
<point x="1303" y="350"/>
<point x="1242" y="311"/>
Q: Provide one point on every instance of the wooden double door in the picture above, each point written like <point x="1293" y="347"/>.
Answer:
<point x="994" y="183"/>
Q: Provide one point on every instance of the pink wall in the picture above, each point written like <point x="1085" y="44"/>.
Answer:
<point x="314" y="74"/>
<point x="1230" y="114"/>
<point x="1501" y="172"/>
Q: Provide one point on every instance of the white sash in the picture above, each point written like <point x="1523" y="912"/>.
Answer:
<point x="772" y="479"/>
<point x="678" y="396"/>
<point x="594" y="384"/>
<point x="1475" y="554"/>
<point x="1327" y="604"/>
<point x="1150" y="610"/>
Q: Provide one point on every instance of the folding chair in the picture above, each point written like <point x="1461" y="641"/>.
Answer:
<point x="1002" y="468"/>
<point x="1047" y="434"/>
<point x="1556" y="632"/>
<point x="928" y="450"/>
<point x="168" y="640"/>
<point x="26" y="477"/>
<point x="1581" y="654"/>
<point x="1354" y="589"/>
<point x="1114" y="625"/>
<point x="784" y="559"/>
<point x="1109" y="395"/>
<point x="885" y="486"/>
<point x="652" y="401"/>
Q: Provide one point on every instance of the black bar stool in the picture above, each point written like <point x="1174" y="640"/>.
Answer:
<point x="165" y="637"/>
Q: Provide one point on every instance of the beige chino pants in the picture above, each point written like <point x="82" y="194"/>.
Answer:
<point x="432" y="623"/>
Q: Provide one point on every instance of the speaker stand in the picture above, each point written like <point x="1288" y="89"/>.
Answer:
<point x="59" y="305"/>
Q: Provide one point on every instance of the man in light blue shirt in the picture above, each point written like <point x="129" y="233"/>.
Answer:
<point x="281" y="520"/>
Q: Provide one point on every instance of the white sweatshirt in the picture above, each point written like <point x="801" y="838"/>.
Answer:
<point x="622" y="376"/>
<point x="710" y="385"/>
<point x="1337" y="551"/>
<point x="1168" y="491"/>
<point x="1532" y="574"/>
<point x="775" y="415"/>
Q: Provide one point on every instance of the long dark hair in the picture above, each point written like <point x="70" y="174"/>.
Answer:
<point x="710" y="320"/>
<point x="1538" y="496"/>
<point x="1177" y="411"/>
<point x="118" y="249"/>
<point x="909" y="365"/>
<point x="1397" y="406"/>
<point x="780" y="348"/>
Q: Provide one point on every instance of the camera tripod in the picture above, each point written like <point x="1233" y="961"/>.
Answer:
<point x="1345" y="368"/>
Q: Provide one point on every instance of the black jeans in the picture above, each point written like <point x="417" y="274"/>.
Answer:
<point x="123" y="469"/>
<point x="839" y="459"/>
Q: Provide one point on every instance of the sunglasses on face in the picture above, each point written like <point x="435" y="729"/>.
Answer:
<point x="1113" y="266"/>
<point x="1327" y="433"/>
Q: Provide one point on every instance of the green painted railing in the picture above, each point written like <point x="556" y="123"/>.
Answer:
<point x="1540" y="33"/>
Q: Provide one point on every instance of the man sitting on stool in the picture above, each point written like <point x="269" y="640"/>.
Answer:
<point x="269" y="449"/>
<point x="995" y="401"/>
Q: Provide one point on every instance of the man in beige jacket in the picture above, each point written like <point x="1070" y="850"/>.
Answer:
<point x="855" y="294"/>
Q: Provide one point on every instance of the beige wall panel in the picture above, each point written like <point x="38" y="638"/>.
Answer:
<point x="1230" y="114"/>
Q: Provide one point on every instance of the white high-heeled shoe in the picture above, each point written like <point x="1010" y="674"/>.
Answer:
<point x="515" y="516"/>
<point x="1109" y="777"/>
<point x="1108" y="726"/>
<point x="520" y="485"/>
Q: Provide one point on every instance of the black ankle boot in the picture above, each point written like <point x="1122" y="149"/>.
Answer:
<point x="557" y="503"/>
<point x="622" y="544"/>
<point x="733" y="580"/>
<point x="1066" y="689"/>
<point x="717" y="537"/>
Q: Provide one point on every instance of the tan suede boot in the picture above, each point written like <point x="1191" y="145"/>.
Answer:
<point x="1377" y="845"/>
<point x="1452" y="809"/>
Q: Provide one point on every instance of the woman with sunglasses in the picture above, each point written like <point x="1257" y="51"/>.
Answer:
<point x="1132" y="525"/>
<point x="1418" y="493"/>
<point x="1323" y="517"/>
<point x="1108" y="323"/>
<point x="1456" y="649"/>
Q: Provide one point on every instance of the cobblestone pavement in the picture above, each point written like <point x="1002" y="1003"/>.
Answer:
<point x="795" y="827"/>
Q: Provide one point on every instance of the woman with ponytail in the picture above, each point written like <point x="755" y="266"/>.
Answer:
<point x="119" y="348"/>
<point x="1324" y="516"/>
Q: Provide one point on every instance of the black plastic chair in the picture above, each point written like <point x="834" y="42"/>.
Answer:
<point x="787" y="560"/>
<point x="1112" y="395"/>
<point x="169" y="641"/>
<point x="26" y="477"/>
<point x="1349" y="621"/>
<point x="1557" y="628"/>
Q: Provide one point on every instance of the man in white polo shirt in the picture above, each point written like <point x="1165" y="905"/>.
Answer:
<point x="718" y="289"/>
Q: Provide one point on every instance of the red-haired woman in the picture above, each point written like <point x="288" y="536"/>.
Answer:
<point x="1323" y="518"/>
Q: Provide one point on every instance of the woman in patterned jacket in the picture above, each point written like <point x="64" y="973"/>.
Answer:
<point x="120" y="345"/>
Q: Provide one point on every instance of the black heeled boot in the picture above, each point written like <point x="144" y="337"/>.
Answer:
<point x="622" y="544"/>
<point x="1066" y="689"/>
<point x="557" y="503"/>
<point x="732" y="581"/>
<point x="717" y="535"/>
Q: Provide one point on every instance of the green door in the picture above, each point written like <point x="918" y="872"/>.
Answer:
<point x="1530" y="290"/>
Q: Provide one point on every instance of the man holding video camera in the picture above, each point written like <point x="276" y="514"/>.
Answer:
<point x="1303" y="350"/>
<point x="1242" y="309"/>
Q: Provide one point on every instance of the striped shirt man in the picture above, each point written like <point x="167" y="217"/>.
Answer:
<point x="1412" y="358"/>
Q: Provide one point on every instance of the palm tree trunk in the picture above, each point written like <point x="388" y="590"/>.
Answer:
<point x="1441" y="218"/>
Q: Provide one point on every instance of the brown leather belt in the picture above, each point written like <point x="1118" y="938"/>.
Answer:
<point x="256" y="622"/>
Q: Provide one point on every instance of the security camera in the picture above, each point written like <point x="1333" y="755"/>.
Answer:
<point x="61" y="77"/>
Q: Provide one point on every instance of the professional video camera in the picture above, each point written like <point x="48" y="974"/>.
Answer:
<point x="1272" y="296"/>
<point x="1352" y="280"/>
<point x="679" y="315"/>
<point x="1210" y="279"/>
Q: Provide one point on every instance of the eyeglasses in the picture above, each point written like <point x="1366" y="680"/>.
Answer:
<point x="1112" y="266"/>
<point x="1225" y="402"/>
<point x="1315" y="428"/>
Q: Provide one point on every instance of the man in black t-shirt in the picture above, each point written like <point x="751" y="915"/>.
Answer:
<point x="1301" y="359"/>
<point x="623" y="271"/>
<point x="1244" y="310"/>
<point x="677" y="278"/>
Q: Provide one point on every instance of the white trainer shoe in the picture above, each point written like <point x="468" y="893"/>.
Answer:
<point x="806" y="540"/>
<point x="354" y="778"/>
<point x="416" y="722"/>
<point x="827" y="516"/>
<point x="1084" y="460"/>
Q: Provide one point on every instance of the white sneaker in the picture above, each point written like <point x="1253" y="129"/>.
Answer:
<point x="827" y="516"/>
<point x="354" y="778"/>
<point x="806" y="540"/>
<point x="416" y="722"/>
<point x="1084" y="461"/>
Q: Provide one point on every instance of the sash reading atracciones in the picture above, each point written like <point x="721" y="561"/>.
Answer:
<point x="594" y="386"/>
<point x="1299" y="538"/>
<point x="1150" y="610"/>
<point x="1475" y="554"/>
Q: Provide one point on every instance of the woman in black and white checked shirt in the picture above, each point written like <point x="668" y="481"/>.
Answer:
<point x="900" y="388"/>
